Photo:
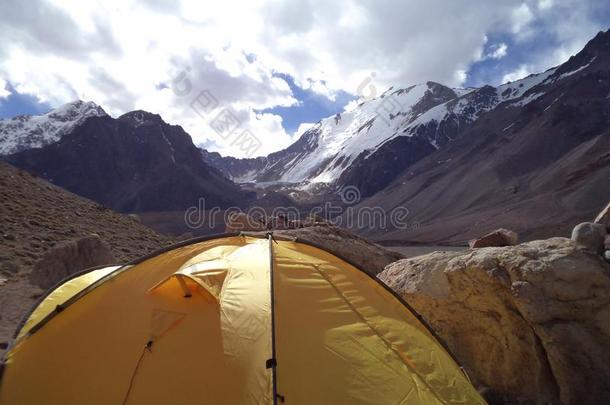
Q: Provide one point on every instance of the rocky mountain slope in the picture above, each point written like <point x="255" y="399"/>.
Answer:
<point x="532" y="155"/>
<point x="538" y="165"/>
<point x="37" y="216"/>
<point x="135" y="163"/>
<point x="331" y="149"/>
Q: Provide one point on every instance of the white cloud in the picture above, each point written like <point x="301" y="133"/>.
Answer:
<point x="522" y="16"/>
<point x="497" y="51"/>
<point x="123" y="54"/>
<point x="517" y="74"/>
<point x="564" y="26"/>
<point x="4" y="92"/>
<point x="459" y="77"/>
<point x="351" y="105"/>
<point x="304" y="126"/>
<point x="545" y="4"/>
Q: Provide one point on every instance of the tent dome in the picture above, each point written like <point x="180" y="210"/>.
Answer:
<point x="232" y="319"/>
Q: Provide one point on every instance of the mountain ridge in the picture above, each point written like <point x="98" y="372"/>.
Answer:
<point x="538" y="167"/>
<point x="423" y="124"/>
<point x="134" y="163"/>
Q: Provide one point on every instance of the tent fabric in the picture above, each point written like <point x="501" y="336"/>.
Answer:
<point x="193" y="325"/>
<point x="61" y="294"/>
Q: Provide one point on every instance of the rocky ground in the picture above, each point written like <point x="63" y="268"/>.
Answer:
<point x="36" y="216"/>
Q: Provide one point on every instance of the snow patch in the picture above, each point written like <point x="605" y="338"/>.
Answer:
<point x="567" y="74"/>
<point x="516" y="89"/>
<point x="344" y="137"/>
<point x="526" y="100"/>
<point x="553" y="102"/>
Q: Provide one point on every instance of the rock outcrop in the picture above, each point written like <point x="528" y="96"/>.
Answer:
<point x="590" y="235"/>
<point x="499" y="237"/>
<point x="531" y="323"/>
<point x="367" y="255"/>
<point x="69" y="258"/>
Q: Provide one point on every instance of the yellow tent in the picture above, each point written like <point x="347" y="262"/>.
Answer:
<point x="235" y="319"/>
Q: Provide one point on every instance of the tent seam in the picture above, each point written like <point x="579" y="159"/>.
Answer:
<point x="372" y="328"/>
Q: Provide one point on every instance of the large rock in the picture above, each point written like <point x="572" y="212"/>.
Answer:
<point x="499" y="237"/>
<point x="68" y="258"/>
<point x="369" y="256"/>
<point x="529" y="322"/>
<point x="590" y="235"/>
<point x="604" y="217"/>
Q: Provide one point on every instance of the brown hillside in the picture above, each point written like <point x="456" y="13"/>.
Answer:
<point x="35" y="216"/>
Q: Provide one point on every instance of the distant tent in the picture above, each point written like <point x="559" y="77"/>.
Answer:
<point x="236" y="319"/>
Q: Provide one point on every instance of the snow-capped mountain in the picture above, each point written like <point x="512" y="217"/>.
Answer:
<point x="325" y="150"/>
<point x="134" y="163"/>
<point x="371" y="144"/>
<point x="428" y="112"/>
<point x="35" y="131"/>
<point x="536" y="162"/>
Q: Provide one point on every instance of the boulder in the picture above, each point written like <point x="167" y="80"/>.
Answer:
<point x="135" y="217"/>
<point x="604" y="217"/>
<point x="369" y="256"/>
<point x="590" y="235"/>
<point x="69" y="258"/>
<point x="530" y="323"/>
<point x="499" y="237"/>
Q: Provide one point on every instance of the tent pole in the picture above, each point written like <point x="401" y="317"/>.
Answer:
<point x="272" y="363"/>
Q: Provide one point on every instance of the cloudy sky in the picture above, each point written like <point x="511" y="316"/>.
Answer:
<point x="275" y="65"/>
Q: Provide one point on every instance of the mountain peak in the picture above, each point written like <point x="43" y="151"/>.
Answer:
<point x="600" y="42"/>
<point x="77" y="109"/>
<point x="595" y="54"/>
<point x="141" y="117"/>
<point x="35" y="131"/>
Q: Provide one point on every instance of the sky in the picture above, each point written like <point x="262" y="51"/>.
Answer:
<point x="270" y="69"/>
